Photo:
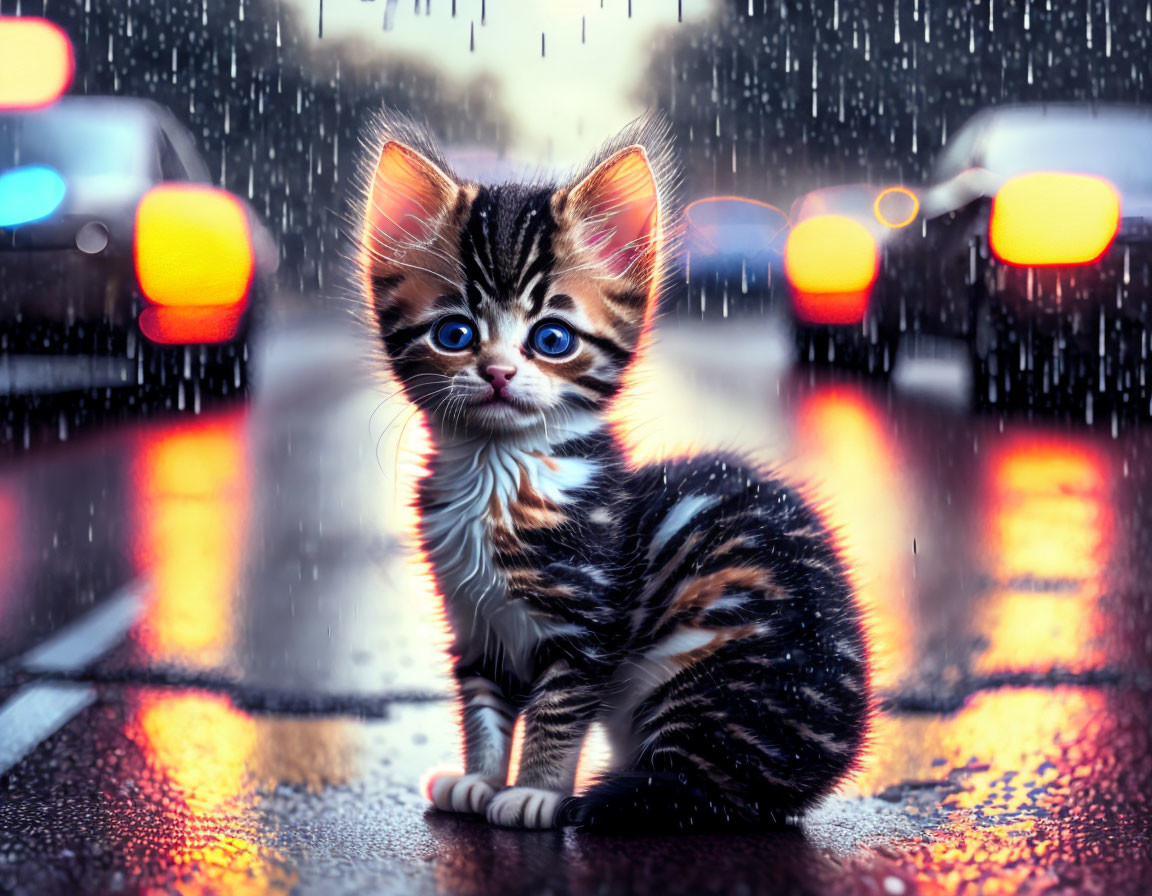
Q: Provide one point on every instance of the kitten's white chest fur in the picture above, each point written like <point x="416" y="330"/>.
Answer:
<point x="469" y="477"/>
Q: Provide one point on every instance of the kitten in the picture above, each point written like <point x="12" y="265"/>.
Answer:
<point x="698" y="608"/>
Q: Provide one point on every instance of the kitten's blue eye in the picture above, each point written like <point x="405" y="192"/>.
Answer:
<point x="553" y="339"/>
<point x="454" y="334"/>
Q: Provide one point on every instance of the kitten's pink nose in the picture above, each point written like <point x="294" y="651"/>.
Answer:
<point x="499" y="376"/>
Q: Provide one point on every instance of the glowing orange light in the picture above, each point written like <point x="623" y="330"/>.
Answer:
<point x="1050" y="534"/>
<point x="595" y="758"/>
<point x="205" y="748"/>
<point x="831" y="253"/>
<point x="843" y="444"/>
<point x="193" y="490"/>
<point x="743" y="200"/>
<point x="1052" y="218"/>
<point x="913" y="208"/>
<point x="36" y="63"/>
<point x="1052" y="514"/>
<point x="193" y="247"/>
<point x="201" y="741"/>
<point x="840" y="308"/>
<point x="183" y="326"/>
<point x="517" y="749"/>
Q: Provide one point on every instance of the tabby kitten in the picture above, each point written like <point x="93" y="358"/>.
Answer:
<point x="697" y="607"/>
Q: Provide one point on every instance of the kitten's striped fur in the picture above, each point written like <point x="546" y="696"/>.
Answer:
<point x="698" y="607"/>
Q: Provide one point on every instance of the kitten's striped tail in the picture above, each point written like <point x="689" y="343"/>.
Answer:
<point x="648" y="802"/>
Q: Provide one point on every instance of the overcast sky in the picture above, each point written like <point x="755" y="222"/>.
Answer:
<point x="565" y="104"/>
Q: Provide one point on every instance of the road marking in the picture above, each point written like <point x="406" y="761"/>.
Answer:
<point x="89" y="637"/>
<point x="35" y="714"/>
<point x="38" y="710"/>
<point x="45" y="374"/>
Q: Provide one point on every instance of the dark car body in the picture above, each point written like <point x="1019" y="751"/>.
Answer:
<point x="1039" y="332"/>
<point x="68" y="284"/>
<point x="731" y="256"/>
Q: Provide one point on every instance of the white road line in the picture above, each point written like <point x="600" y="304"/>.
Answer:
<point x="89" y="637"/>
<point x="34" y="714"/>
<point x="38" y="710"/>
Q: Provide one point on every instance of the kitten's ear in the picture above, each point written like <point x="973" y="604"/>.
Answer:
<point x="408" y="197"/>
<point x="617" y="206"/>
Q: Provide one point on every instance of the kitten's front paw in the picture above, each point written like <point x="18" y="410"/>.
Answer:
<point x="525" y="807"/>
<point x="461" y="793"/>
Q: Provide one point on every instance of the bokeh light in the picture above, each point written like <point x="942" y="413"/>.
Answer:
<point x="193" y="247"/>
<point x="896" y="207"/>
<point x="1053" y="218"/>
<point x="36" y="62"/>
<point x="29" y="193"/>
<point x="831" y="253"/>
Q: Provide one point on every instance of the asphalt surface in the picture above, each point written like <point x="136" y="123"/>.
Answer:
<point x="221" y="668"/>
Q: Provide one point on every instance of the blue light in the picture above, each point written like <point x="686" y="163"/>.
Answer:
<point x="29" y="194"/>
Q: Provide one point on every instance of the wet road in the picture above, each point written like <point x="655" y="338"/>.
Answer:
<point x="220" y="667"/>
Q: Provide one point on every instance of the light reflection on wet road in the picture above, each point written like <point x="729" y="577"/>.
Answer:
<point x="265" y="723"/>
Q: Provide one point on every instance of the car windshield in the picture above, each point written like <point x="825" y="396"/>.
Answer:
<point x="76" y="141"/>
<point x="1117" y="148"/>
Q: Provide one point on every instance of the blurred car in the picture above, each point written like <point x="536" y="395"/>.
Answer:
<point x="732" y="255"/>
<point x="1035" y="244"/>
<point x="832" y="260"/>
<point x="1032" y="241"/>
<point x="120" y="264"/>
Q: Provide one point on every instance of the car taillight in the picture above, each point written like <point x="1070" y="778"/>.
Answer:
<point x="831" y="262"/>
<point x="182" y="326"/>
<point x="1053" y="218"/>
<point x="36" y="62"/>
<point x="193" y="247"/>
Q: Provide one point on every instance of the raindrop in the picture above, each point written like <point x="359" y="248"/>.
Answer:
<point x="1108" y="30"/>
<point x="814" y="90"/>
